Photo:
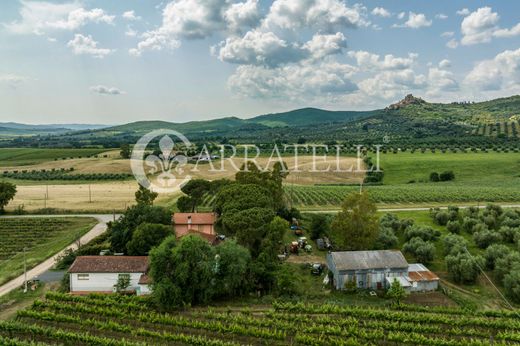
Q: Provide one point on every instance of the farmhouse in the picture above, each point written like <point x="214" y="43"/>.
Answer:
<point x="100" y="274"/>
<point x="198" y="223"/>
<point x="367" y="269"/>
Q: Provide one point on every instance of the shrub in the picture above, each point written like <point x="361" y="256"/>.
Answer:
<point x="423" y="251"/>
<point x="453" y="227"/>
<point x="486" y="237"/>
<point x="468" y="224"/>
<point x="454" y="244"/>
<point x="503" y="265"/>
<point x="386" y="239"/>
<point x="442" y="218"/>
<point x="463" y="267"/>
<point x="425" y="233"/>
<point x="434" y="177"/>
<point x="495" y="252"/>
<point x="512" y="284"/>
<point x="509" y="234"/>
<point x="447" y="176"/>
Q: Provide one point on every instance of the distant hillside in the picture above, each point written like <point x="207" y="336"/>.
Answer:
<point x="494" y="111"/>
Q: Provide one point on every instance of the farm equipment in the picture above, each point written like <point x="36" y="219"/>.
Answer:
<point x="294" y="248"/>
<point x="295" y="227"/>
<point x="316" y="269"/>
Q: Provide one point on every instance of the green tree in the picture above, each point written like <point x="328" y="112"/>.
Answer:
<point x="194" y="190"/>
<point x="486" y="237"/>
<point x="396" y="292"/>
<point x="423" y="232"/>
<point x="190" y="275"/>
<point x="463" y="267"/>
<point x="356" y="226"/>
<point x="386" y="239"/>
<point x="232" y="266"/>
<point x="453" y="244"/>
<point x="147" y="236"/>
<point x="494" y="252"/>
<point x="145" y="196"/>
<point x="320" y="226"/>
<point x="121" y="231"/>
<point x="505" y="264"/>
<point x="161" y="260"/>
<point x="423" y="251"/>
<point x="453" y="227"/>
<point x="286" y="282"/>
<point x="123" y="281"/>
<point x="434" y="177"/>
<point x="512" y="284"/>
<point x="7" y="193"/>
<point x="125" y="151"/>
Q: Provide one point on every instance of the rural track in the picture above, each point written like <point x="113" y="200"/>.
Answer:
<point x="47" y="264"/>
<point x="389" y="210"/>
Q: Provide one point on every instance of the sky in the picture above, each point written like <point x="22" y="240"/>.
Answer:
<point x="112" y="62"/>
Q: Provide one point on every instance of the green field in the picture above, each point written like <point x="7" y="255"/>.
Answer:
<point x="121" y="320"/>
<point x="42" y="238"/>
<point x="32" y="156"/>
<point x="469" y="168"/>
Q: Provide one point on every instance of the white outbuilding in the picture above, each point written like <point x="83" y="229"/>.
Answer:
<point x="91" y="274"/>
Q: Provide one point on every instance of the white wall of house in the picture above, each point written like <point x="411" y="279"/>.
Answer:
<point x="99" y="282"/>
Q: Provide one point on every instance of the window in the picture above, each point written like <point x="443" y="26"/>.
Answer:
<point x="83" y="276"/>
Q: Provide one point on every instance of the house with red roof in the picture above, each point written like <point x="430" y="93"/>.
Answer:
<point x="201" y="224"/>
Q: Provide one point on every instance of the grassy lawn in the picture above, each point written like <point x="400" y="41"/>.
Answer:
<point x="42" y="237"/>
<point x="17" y="300"/>
<point x="31" y="156"/>
<point x="469" y="168"/>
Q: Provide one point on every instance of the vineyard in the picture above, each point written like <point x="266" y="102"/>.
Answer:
<point x="50" y="175"/>
<point x="31" y="156"/>
<point x="126" y="320"/>
<point x="42" y="238"/>
<point x="502" y="129"/>
<point x="310" y="196"/>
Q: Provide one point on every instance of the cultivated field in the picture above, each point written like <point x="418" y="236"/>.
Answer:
<point x="33" y="156"/>
<point x="120" y="320"/>
<point x="42" y="238"/>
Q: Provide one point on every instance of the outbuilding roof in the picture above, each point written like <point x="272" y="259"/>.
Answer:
<point x="418" y="272"/>
<point x="360" y="260"/>
<point x="110" y="264"/>
<point x="196" y="218"/>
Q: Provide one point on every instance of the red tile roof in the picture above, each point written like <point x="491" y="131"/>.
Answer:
<point x="110" y="264"/>
<point x="196" y="218"/>
<point x="422" y="276"/>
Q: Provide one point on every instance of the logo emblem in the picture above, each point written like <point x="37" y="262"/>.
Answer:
<point x="161" y="171"/>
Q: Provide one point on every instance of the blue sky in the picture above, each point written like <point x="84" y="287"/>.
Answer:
<point x="120" y="61"/>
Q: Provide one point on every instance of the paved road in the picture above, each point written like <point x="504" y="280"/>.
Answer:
<point x="49" y="263"/>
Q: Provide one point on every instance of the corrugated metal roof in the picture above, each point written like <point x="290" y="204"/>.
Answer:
<point x="422" y="276"/>
<point x="417" y="267"/>
<point x="402" y="281"/>
<point x="359" y="260"/>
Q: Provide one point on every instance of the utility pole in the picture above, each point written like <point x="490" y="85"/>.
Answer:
<point x="89" y="194"/>
<point x="24" y="271"/>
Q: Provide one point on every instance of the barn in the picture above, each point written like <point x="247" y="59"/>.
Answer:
<point x="422" y="279"/>
<point x="367" y="269"/>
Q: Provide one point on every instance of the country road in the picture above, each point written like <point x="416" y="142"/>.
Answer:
<point x="49" y="262"/>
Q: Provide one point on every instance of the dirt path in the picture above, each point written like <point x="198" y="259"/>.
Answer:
<point x="49" y="262"/>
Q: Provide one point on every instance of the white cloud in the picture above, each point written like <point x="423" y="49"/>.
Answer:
<point x="447" y="34"/>
<point x="321" y="46"/>
<point x="401" y="15"/>
<point x="304" y="81"/>
<point x="444" y="64"/>
<point x="514" y="31"/>
<point x="441" y="16"/>
<point x="440" y="81"/>
<point x="392" y="84"/>
<point x="39" y="17"/>
<point x="130" y="32"/>
<point x="104" y="90"/>
<point x="479" y="26"/>
<point x="154" y="40"/>
<point x="500" y="73"/>
<point x="242" y="15"/>
<point x="130" y="15"/>
<point x="416" y="21"/>
<point x="369" y="61"/>
<point x="86" y="45"/>
<point x="453" y="43"/>
<point x="12" y="80"/>
<point x="463" y="12"/>
<point x="381" y="12"/>
<point x="325" y="15"/>
<point x="259" y="48"/>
